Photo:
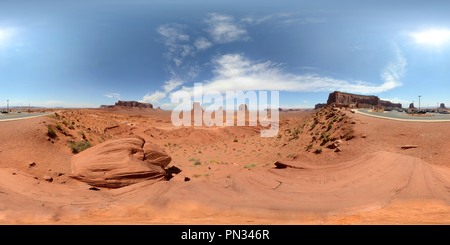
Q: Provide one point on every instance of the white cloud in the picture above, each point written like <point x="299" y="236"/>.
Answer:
<point x="154" y="97"/>
<point x="202" y="43"/>
<point x="223" y="29"/>
<point x="284" y="18"/>
<point x="394" y="71"/>
<point x="171" y="85"/>
<point x="112" y="95"/>
<point x="168" y="87"/>
<point x="235" y="72"/>
<point x="176" y="41"/>
<point x="173" y="33"/>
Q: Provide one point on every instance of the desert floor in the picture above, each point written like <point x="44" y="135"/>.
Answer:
<point x="231" y="171"/>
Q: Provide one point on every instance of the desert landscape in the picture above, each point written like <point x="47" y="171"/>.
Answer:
<point x="91" y="94"/>
<point x="130" y="165"/>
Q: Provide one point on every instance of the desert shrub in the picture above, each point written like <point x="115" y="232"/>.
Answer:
<point x="318" y="150"/>
<point x="51" y="132"/>
<point x="325" y="138"/>
<point x="83" y="135"/>
<point x="309" y="147"/>
<point x="195" y="161"/>
<point x="330" y="126"/>
<point x="59" y="127"/>
<point x="79" y="146"/>
<point x="250" y="165"/>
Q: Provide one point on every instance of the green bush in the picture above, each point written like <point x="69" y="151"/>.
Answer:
<point x="51" y="132"/>
<point x="79" y="146"/>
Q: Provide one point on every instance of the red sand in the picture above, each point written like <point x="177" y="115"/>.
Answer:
<point x="231" y="171"/>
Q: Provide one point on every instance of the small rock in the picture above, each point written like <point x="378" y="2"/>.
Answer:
<point x="404" y="147"/>
<point x="94" y="189"/>
<point x="364" y="136"/>
<point x="48" y="178"/>
<point x="49" y="169"/>
<point x="187" y="179"/>
<point x="53" y="142"/>
<point x="63" y="182"/>
<point x="49" y="139"/>
<point x="58" y="174"/>
<point x="31" y="164"/>
<point x="337" y="150"/>
<point x="338" y="142"/>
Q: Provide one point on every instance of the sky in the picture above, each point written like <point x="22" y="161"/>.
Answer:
<point x="58" y="53"/>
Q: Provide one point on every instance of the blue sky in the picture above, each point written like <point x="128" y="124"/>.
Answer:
<point x="88" y="53"/>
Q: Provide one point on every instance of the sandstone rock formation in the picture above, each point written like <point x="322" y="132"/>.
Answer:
<point x="120" y="162"/>
<point x="320" y="105"/>
<point x="133" y="104"/>
<point x="362" y="101"/>
<point x="243" y="107"/>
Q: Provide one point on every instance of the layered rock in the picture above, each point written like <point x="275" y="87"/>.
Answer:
<point x="133" y="104"/>
<point x="120" y="162"/>
<point x="354" y="100"/>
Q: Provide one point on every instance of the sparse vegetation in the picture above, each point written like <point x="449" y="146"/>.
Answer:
<point x="59" y="127"/>
<point x="83" y="135"/>
<point x="250" y="165"/>
<point x="196" y="161"/>
<point x="79" y="146"/>
<point x="318" y="150"/>
<point x="325" y="138"/>
<point x="51" y="132"/>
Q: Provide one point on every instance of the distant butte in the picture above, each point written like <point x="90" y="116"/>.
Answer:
<point x="342" y="99"/>
<point x="129" y="104"/>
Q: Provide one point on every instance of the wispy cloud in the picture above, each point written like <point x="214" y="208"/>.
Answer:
<point x="394" y="71"/>
<point x="112" y="95"/>
<point x="284" y="18"/>
<point x="176" y="41"/>
<point x="158" y="95"/>
<point x="236" y="72"/>
<point x="154" y="97"/>
<point x="223" y="29"/>
<point x="202" y="43"/>
<point x="181" y="46"/>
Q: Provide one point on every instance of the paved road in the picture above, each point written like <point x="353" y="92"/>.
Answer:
<point x="401" y="116"/>
<point x="19" y="116"/>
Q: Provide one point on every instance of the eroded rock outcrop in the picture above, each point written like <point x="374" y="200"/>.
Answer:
<point x="133" y="104"/>
<point x="120" y="162"/>
<point x="354" y="100"/>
